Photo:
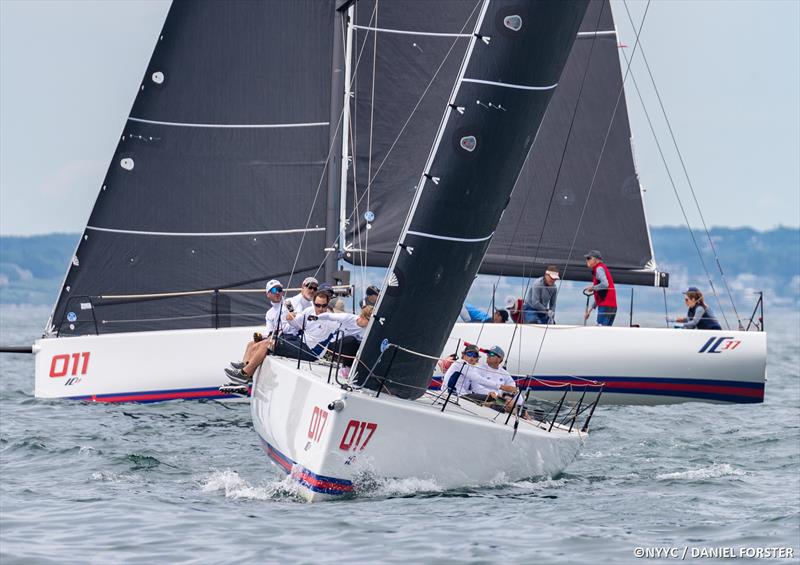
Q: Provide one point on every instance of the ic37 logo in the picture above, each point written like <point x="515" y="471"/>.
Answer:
<point x="719" y="344"/>
<point x="354" y="438"/>
<point x="318" y="419"/>
<point x="74" y="364"/>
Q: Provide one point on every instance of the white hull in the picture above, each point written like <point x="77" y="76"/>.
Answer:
<point x="328" y="451"/>
<point x="637" y="365"/>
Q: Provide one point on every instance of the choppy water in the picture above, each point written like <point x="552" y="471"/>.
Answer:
<point x="186" y="482"/>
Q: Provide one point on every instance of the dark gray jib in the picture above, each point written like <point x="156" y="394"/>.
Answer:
<point x="217" y="166"/>
<point x="477" y="162"/>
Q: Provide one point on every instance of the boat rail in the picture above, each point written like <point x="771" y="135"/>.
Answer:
<point x="563" y="415"/>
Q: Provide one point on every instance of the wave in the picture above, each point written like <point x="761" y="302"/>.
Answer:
<point x="714" y="471"/>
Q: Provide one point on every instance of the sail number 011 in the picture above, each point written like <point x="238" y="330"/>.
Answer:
<point x="74" y="364"/>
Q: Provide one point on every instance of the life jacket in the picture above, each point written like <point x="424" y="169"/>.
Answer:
<point x="707" y="322"/>
<point x="606" y="297"/>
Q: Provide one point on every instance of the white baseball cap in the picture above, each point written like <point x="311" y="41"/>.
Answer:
<point x="272" y="284"/>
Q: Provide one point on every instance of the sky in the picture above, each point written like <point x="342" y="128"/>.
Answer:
<point x="727" y="71"/>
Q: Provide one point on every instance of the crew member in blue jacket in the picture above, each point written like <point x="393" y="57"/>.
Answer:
<point x="699" y="316"/>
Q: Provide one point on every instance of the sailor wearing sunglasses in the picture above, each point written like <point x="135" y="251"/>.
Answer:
<point x="459" y="375"/>
<point x="242" y="372"/>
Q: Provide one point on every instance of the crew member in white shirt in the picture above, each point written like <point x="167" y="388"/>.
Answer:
<point x="504" y="382"/>
<point x="304" y="298"/>
<point x="465" y="369"/>
<point x="317" y="333"/>
<point x="256" y="350"/>
<point x="352" y="328"/>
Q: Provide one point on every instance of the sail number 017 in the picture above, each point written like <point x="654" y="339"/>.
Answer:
<point x="74" y="364"/>
<point x="357" y="435"/>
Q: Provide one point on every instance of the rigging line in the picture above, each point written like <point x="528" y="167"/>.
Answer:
<point x="677" y="196"/>
<point x="204" y="234"/>
<point x="413" y="110"/>
<point x="325" y="167"/>
<point x="686" y="174"/>
<point x="597" y="166"/>
<point x="229" y="126"/>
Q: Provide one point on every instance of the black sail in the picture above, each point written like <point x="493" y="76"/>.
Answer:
<point x="549" y="220"/>
<point x="531" y="234"/>
<point x="212" y="180"/>
<point x="512" y="68"/>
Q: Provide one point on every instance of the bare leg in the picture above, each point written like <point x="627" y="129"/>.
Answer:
<point x="257" y="354"/>
<point x="248" y="352"/>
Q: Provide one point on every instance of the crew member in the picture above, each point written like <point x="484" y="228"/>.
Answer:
<point x="699" y="316"/>
<point x="256" y="350"/>
<point x="540" y="301"/>
<point x="605" y="295"/>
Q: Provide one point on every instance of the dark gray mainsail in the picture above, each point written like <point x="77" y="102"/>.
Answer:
<point x="419" y="53"/>
<point x="512" y="66"/>
<point x="212" y="183"/>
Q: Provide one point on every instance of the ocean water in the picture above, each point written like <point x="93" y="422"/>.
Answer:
<point x="186" y="482"/>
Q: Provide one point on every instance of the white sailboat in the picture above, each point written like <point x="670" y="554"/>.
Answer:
<point x="154" y="302"/>
<point x="323" y="433"/>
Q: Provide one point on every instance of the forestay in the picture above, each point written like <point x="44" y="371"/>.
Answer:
<point x="512" y="66"/>
<point x="215" y="172"/>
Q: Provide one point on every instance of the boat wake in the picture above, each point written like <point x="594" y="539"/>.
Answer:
<point x="229" y="483"/>
<point x="713" y="472"/>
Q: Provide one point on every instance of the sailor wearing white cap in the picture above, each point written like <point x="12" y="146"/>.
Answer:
<point x="277" y="313"/>
<point x="255" y="352"/>
<point x="540" y="301"/>
<point x="303" y="300"/>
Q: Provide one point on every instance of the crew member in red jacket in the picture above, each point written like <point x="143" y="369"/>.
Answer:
<point x="605" y="295"/>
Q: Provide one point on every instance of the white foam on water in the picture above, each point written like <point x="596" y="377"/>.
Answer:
<point x="235" y="487"/>
<point x="533" y="485"/>
<point x="111" y="477"/>
<point x="714" y="471"/>
<point x="404" y="487"/>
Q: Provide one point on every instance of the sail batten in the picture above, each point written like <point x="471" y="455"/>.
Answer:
<point x="228" y="126"/>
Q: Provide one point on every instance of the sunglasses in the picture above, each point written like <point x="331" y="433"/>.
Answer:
<point x="275" y="290"/>
<point x="320" y="305"/>
<point x="312" y="286"/>
<point x="472" y="354"/>
<point x="490" y="354"/>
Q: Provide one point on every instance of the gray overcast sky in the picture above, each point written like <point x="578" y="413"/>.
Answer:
<point x="728" y="72"/>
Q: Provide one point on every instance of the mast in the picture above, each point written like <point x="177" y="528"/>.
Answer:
<point x="339" y="68"/>
<point x="345" y="163"/>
